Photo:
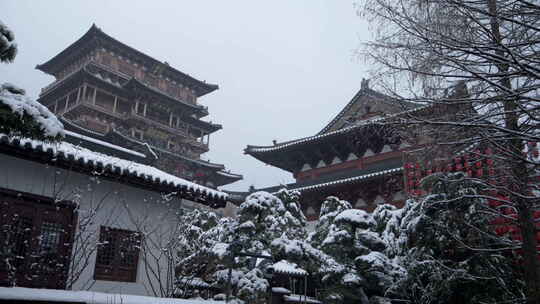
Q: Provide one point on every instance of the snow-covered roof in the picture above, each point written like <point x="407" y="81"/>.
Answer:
<point x="197" y="161"/>
<point x="228" y="174"/>
<point x="360" y="124"/>
<point x="287" y="267"/>
<point x="300" y="299"/>
<point x="280" y="290"/>
<point x="103" y="143"/>
<point x="95" y="34"/>
<point x="116" y="165"/>
<point x="350" y="179"/>
<point x="69" y="296"/>
<point x="366" y="91"/>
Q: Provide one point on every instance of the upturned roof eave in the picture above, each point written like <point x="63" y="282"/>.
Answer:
<point x="260" y="150"/>
<point x="134" y="82"/>
<point x="364" y="91"/>
<point x="52" y="65"/>
<point x="199" y="162"/>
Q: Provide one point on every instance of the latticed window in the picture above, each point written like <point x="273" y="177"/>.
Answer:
<point x="117" y="255"/>
<point x="51" y="233"/>
<point x="35" y="240"/>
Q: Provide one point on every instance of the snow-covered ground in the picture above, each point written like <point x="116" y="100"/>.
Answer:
<point x="89" y="297"/>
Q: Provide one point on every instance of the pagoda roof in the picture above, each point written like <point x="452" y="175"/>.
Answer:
<point x="329" y="181"/>
<point x="205" y="125"/>
<point x="103" y="146"/>
<point x="199" y="162"/>
<point x="95" y="37"/>
<point x="224" y="178"/>
<point x="122" y="88"/>
<point x="294" y="144"/>
<point x="105" y="138"/>
<point x="83" y="137"/>
<point x="346" y="177"/>
<point x="134" y="83"/>
<point x="81" y="73"/>
<point x="368" y="96"/>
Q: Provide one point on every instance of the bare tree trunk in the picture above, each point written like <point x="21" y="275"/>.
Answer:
<point x="531" y="265"/>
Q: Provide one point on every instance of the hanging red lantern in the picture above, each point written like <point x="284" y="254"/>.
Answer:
<point x="489" y="162"/>
<point x="478" y="164"/>
<point x="467" y="165"/>
<point x="459" y="167"/>
<point x="417" y="165"/>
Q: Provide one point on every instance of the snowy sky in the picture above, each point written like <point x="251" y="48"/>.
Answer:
<point x="284" y="68"/>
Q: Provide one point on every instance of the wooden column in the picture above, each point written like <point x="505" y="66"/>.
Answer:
<point x="67" y="103"/>
<point x="115" y="104"/>
<point x="78" y="95"/>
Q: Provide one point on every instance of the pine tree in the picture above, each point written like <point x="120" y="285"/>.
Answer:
<point x="8" y="47"/>
<point x="265" y="223"/>
<point x="20" y="115"/>
<point x="449" y="250"/>
<point x="361" y="271"/>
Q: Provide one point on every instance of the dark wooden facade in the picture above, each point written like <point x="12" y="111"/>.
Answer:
<point x="110" y="91"/>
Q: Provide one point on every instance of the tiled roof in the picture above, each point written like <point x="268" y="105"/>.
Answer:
<point x="350" y="179"/>
<point x="95" y="34"/>
<point x="109" y="165"/>
<point x="361" y="124"/>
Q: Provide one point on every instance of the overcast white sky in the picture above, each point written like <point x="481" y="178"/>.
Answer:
<point x="284" y="67"/>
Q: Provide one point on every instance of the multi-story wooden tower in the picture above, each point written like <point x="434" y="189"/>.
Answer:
<point x="109" y="91"/>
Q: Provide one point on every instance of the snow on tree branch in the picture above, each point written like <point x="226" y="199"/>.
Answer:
<point x="23" y="116"/>
<point x="8" y="47"/>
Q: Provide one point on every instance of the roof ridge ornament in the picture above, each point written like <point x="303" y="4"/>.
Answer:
<point x="364" y="85"/>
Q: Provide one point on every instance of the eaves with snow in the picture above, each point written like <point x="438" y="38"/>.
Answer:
<point x="289" y="268"/>
<point x="71" y="157"/>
